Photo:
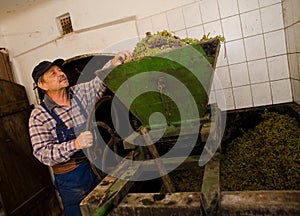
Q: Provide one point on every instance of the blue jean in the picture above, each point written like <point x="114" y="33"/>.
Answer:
<point x="73" y="186"/>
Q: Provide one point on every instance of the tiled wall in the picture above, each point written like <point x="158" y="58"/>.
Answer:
<point x="253" y="63"/>
<point x="291" y="11"/>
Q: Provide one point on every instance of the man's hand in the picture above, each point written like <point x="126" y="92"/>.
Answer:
<point x="84" y="140"/>
<point x="120" y="58"/>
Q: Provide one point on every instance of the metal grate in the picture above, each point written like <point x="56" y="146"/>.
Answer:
<point x="65" y="24"/>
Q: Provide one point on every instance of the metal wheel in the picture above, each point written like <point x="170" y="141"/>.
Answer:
<point x="105" y="120"/>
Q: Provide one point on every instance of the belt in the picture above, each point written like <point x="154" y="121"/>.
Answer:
<point x="69" y="165"/>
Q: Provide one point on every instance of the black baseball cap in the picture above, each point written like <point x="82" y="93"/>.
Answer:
<point x="43" y="66"/>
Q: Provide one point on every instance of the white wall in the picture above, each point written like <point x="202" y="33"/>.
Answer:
<point x="2" y="39"/>
<point x="33" y="35"/>
<point x="2" y="42"/>
<point x="291" y="10"/>
<point x="253" y="63"/>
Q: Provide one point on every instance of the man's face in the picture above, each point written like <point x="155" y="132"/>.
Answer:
<point x="53" y="79"/>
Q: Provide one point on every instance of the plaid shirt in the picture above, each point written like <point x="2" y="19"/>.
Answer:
<point x="42" y="126"/>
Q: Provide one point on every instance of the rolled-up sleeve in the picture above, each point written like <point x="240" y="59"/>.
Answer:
<point x="90" y="92"/>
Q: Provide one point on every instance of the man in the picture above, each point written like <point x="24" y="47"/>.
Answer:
<point x="56" y="129"/>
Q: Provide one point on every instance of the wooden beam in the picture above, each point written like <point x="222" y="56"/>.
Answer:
<point x="154" y="153"/>
<point x="266" y="202"/>
<point x="111" y="190"/>
<point x="136" y="204"/>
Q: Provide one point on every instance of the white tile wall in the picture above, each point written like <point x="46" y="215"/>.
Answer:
<point x="239" y="74"/>
<point x="291" y="37"/>
<point x="293" y="66"/>
<point x="225" y="99"/>
<point x="298" y="57"/>
<point x="224" y="77"/>
<point x="252" y="66"/>
<point x="192" y="15"/>
<point x="296" y="90"/>
<point x="296" y="8"/>
<point x="144" y="25"/>
<point x="212" y="97"/>
<point x="175" y="19"/>
<point x="195" y="32"/>
<point x="254" y="47"/>
<point x="275" y="43"/>
<point x="281" y="91"/>
<point x="278" y="67"/>
<point x="235" y="52"/>
<point x="291" y="15"/>
<point x="232" y="28"/>
<point x="251" y="23"/>
<point x="181" y="33"/>
<point x="247" y="5"/>
<point x="264" y="3"/>
<point x="272" y="18"/>
<point x="295" y="12"/>
<point x="209" y="10"/>
<point x="213" y="28"/>
<point x="297" y="33"/>
<point x="159" y="22"/>
<point x="258" y="71"/>
<point x="228" y="8"/>
<point x="261" y="93"/>
<point x="288" y="11"/>
<point x="222" y="59"/>
<point x="242" y="97"/>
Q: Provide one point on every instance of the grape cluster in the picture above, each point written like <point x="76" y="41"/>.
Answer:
<point x="154" y="44"/>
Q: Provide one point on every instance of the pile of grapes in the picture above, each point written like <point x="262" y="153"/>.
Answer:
<point x="266" y="157"/>
<point x="154" y="44"/>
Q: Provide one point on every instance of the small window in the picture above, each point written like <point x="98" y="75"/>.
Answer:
<point x="65" y="24"/>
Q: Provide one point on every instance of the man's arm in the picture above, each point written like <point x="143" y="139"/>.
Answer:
<point x="119" y="58"/>
<point x="46" y="147"/>
<point x="92" y="91"/>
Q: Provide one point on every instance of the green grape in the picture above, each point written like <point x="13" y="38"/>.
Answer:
<point x="157" y="43"/>
<point x="163" y="41"/>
